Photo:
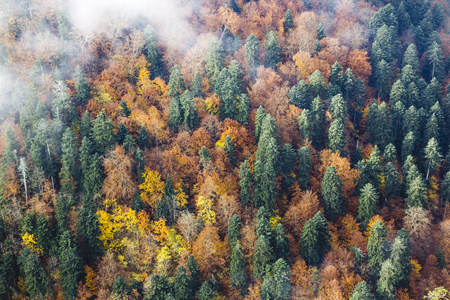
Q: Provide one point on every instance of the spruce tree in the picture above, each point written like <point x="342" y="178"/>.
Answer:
<point x="252" y="53"/>
<point x="281" y="244"/>
<point x="362" y="291"/>
<point x="238" y="278"/>
<point x="432" y="155"/>
<point x="121" y="133"/>
<point x="259" y="118"/>
<point x="70" y="264"/>
<point x="190" y="112"/>
<point x="194" y="272"/>
<point x="36" y="280"/>
<point x="417" y="193"/>
<point x="197" y="85"/>
<point x="410" y="57"/>
<point x="176" y="82"/>
<point x="234" y="227"/>
<point x="386" y="283"/>
<point x="277" y="285"/>
<point x="69" y="168"/>
<point x="81" y="86"/>
<point x="143" y="138"/>
<point x="125" y="109"/>
<point x="208" y="290"/>
<point x="367" y="206"/>
<point x="262" y="257"/>
<point x="243" y="109"/>
<point x="120" y="289"/>
<point x="245" y="183"/>
<point x="392" y="179"/>
<point x="304" y="162"/>
<point x="102" y="133"/>
<point x="377" y="248"/>
<point x="445" y="187"/>
<point x="332" y="197"/>
<point x="336" y="136"/>
<point x="86" y="125"/>
<point x="215" y="58"/>
<point x="288" y="23"/>
<point x="153" y="54"/>
<point x="272" y="50"/>
<point x="315" y="240"/>
<point x="182" y="288"/>
<point x="160" y="288"/>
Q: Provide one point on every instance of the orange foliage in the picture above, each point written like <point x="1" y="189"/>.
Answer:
<point x="358" y="61"/>
<point x="209" y="251"/>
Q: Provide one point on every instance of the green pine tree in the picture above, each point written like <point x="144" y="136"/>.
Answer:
<point x="272" y="50"/>
<point x="377" y="248"/>
<point x="367" y="206"/>
<point x="332" y="197"/>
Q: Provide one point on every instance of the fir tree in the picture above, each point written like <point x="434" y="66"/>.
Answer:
<point x="277" y="285"/>
<point x="377" y="248"/>
<point x="182" y="288"/>
<point x="122" y="132"/>
<point x="196" y="87"/>
<point x="234" y="227"/>
<point x="432" y="155"/>
<point x="243" y="109"/>
<point x="102" y="133"/>
<point x="281" y="244"/>
<point x="362" y="291"/>
<point x="262" y="257"/>
<point x="125" y="109"/>
<point x="143" y="138"/>
<point x="288" y="23"/>
<point x="81" y="86"/>
<point x="238" y="278"/>
<point x="86" y="125"/>
<point x="69" y="168"/>
<point x="272" y="50"/>
<point x="367" y="203"/>
<point x="153" y="54"/>
<point x="417" y="193"/>
<point x="315" y="240"/>
<point x="70" y="264"/>
<point x="208" y="290"/>
<point x="36" y="280"/>
<point x="304" y="162"/>
<point x="245" y="183"/>
<point x="332" y="197"/>
<point x="252" y="53"/>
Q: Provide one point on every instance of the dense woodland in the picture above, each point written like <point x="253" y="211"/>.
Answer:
<point x="271" y="149"/>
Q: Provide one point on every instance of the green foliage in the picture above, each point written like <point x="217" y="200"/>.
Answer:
<point x="160" y="288"/>
<point x="276" y="284"/>
<point x="288" y="23"/>
<point x="238" y="278"/>
<point x="182" y="288"/>
<point x="272" y="50"/>
<point x="102" y="133"/>
<point x="262" y="257"/>
<point x="208" y="290"/>
<point x="377" y="248"/>
<point x="70" y="264"/>
<point x="332" y="197"/>
<point x="252" y="53"/>
<point x="38" y="286"/>
<point x="367" y="206"/>
<point x="362" y="291"/>
<point x="234" y="227"/>
<point x="315" y="240"/>
<point x="245" y="183"/>
<point x="82" y="87"/>
<point x="304" y="162"/>
<point x="153" y="54"/>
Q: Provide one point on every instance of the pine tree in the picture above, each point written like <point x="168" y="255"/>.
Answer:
<point x="262" y="257"/>
<point x="238" y="278"/>
<point x="70" y="264"/>
<point x="315" y="240"/>
<point x="194" y="273"/>
<point x="377" y="248"/>
<point x="160" y="288"/>
<point x="176" y="82"/>
<point x="417" y="193"/>
<point x="143" y="138"/>
<point x="288" y="23"/>
<point x="367" y="206"/>
<point x="245" y="183"/>
<point x="411" y="57"/>
<point x="272" y="50"/>
<point x="392" y="181"/>
<point x="81" y="86"/>
<point x="252" y="53"/>
<point x="332" y="197"/>
<point x="215" y="58"/>
<point x="125" y="109"/>
<point x="208" y="290"/>
<point x="120" y="289"/>
<point x="234" y="227"/>
<point x="102" y="133"/>
<point x="445" y="187"/>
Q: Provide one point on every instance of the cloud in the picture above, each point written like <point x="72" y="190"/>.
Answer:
<point x="170" y="17"/>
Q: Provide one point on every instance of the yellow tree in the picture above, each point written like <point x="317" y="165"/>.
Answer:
<point x="152" y="188"/>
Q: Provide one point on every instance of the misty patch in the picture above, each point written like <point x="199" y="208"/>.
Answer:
<point x="169" y="17"/>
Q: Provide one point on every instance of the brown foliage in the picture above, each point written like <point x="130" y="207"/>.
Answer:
<point x="418" y="224"/>
<point x="304" y="206"/>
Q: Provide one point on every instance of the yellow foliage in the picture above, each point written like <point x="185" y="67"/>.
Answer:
<point x="304" y="64"/>
<point x="369" y="226"/>
<point x="163" y="259"/>
<point x="205" y="210"/>
<point x="143" y="80"/>
<point x="91" y="279"/>
<point x="115" y="222"/>
<point x="180" y="195"/>
<point x="160" y="86"/>
<point x="152" y="188"/>
<point x="434" y="187"/>
<point x="275" y="220"/>
<point x="415" y="267"/>
<point x="101" y="95"/>
<point x="160" y="230"/>
<point x="30" y="243"/>
<point x="212" y="105"/>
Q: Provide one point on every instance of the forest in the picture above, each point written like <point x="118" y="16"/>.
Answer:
<point x="224" y="149"/>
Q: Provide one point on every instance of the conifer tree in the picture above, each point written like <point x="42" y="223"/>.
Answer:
<point x="259" y="118"/>
<point x="386" y="283"/>
<point x="362" y="291"/>
<point x="196" y="87"/>
<point x="252" y="53"/>
<point x="81" y="86"/>
<point x="315" y="240"/>
<point x="245" y="183"/>
<point x="288" y="23"/>
<point x="153" y="54"/>
<point x="102" y="133"/>
<point x="320" y="32"/>
<point x="69" y="168"/>
<point x="410" y="57"/>
<point x="377" y="248"/>
<point x="336" y="136"/>
<point x="143" y="138"/>
<point x="392" y="181"/>
<point x="234" y="227"/>
<point x="304" y="162"/>
<point x="243" y="109"/>
<point x="215" y="58"/>
<point x="272" y="50"/>
<point x="36" y="280"/>
<point x="262" y="257"/>
<point x="120" y="289"/>
<point x="332" y="197"/>
<point x="432" y="155"/>
<point x="208" y="290"/>
<point x="86" y="125"/>
<point x="194" y="273"/>
<point x="277" y="285"/>
<point x="70" y="264"/>
<point x="367" y="206"/>
<point x="121" y="133"/>
<point x="182" y="288"/>
<point x="281" y="244"/>
<point x="160" y="288"/>
<point x="190" y="112"/>
<point x="238" y="278"/>
<point x="417" y="193"/>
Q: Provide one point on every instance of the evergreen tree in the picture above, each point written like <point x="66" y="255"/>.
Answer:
<point x="120" y="289"/>
<point x="411" y="57"/>
<point x="305" y="125"/>
<point x="408" y="145"/>
<point x="176" y="117"/>
<point x="338" y="108"/>
<point x="160" y="288"/>
<point x="125" y="109"/>
<point x="252" y="53"/>
<point x="315" y="240"/>
<point x="362" y="291"/>
<point x="432" y="155"/>
<point x="390" y="153"/>
<point x="386" y="283"/>
<point x="434" y="66"/>
<point x="238" y="278"/>
<point x="190" y="112"/>
<point x="262" y="257"/>
<point x="272" y="50"/>
<point x="245" y="182"/>
<point x="36" y="280"/>
<point x="367" y="206"/>
<point x="234" y="227"/>
<point x="336" y="136"/>
<point x="143" y="138"/>
<point x="182" y="288"/>
<point x="69" y="168"/>
<point x="417" y="193"/>
<point x="259" y="118"/>
<point x="277" y="285"/>
<point x="337" y="77"/>
<point x="61" y="105"/>
<point x="208" y="290"/>
<point x="304" y="162"/>
<point x="176" y="82"/>
<point x="194" y="273"/>
<point x="281" y="244"/>
<point x="93" y="180"/>
<point x="288" y="23"/>
<point x="197" y="85"/>
<point x="243" y="109"/>
<point x="398" y="93"/>
<point x="377" y="248"/>
<point x="70" y="264"/>
<point x="82" y="87"/>
<point x="43" y="233"/>
<point x="400" y="258"/>
<point x="445" y="187"/>
<point x="86" y="125"/>
<point x="320" y="32"/>
<point x="153" y="54"/>
<point x="300" y="95"/>
<point x="89" y="231"/>
<point x="332" y="197"/>
<point x="392" y="179"/>
<point x="102" y="133"/>
<point x="317" y="84"/>
<point x="383" y="76"/>
<point x="215" y="58"/>
<point x="122" y="132"/>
